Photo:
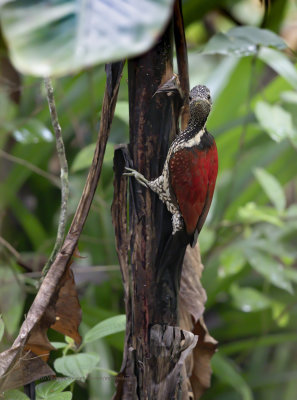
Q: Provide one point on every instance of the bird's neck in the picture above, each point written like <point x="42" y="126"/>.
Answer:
<point x="197" y="119"/>
<point x="195" y="126"/>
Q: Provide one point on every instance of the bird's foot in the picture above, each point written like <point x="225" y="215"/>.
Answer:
<point x="177" y="223"/>
<point x="137" y="175"/>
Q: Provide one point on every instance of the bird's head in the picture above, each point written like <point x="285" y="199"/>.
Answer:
<point x="200" y="102"/>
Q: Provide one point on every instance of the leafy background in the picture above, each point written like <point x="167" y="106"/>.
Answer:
<point x="248" y="245"/>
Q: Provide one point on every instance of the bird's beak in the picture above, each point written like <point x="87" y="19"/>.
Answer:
<point x="172" y="85"/>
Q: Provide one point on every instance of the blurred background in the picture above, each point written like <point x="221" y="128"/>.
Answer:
<point x="248" y="245"/>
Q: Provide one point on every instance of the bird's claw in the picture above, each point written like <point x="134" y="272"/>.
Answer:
<point x="137" y="175"/>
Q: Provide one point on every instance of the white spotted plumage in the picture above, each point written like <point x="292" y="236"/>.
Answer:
<point x="190" y="137"/>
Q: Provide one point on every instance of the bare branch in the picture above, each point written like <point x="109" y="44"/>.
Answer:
<point x="15" y="253"/>
<point x="30" y="166"/>
<point x="64" y="175"/>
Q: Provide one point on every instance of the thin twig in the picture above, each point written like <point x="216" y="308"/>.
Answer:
<point x="182" y="60"/>
<point x="30" y="166"/>
<point x="15" y="253"/>
<point x="64" y="175"/>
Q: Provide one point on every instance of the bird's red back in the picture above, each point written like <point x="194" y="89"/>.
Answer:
<point x="193" y="172"/>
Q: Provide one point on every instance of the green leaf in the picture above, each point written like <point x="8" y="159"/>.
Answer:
<point x="15" y="395"/>
<point x="242" y="41"/>
<point x="59" y="345"/>
<point x="84" y="158"/>
<point x="207" y="238"/>
<point x="77" y="366"/>
<point x="108" y="371"/>
<point x="258" y="341"/>
<point x="248" y="299"/>
<point x="232" y="261"/>
<point x="250" y="213"/>
<point x="275" y="121"/>
<point x="2" y="326"/>
<point x="32" y="131"/>
<point x="59" y="37"/>
<point x="280" y="314"/>
<point x="227" y="372"/>
<point x="46" y="389"/>
<point x="280" y="63"/>
<point x="57" y="396"/>
<point x="268" y="267"/>
<point x="11" y="299"/>
<point x="122" y="111"/>
<point x="272" y="188"/>
<point x="105" y="328"/>
<point x="289" y="97"/>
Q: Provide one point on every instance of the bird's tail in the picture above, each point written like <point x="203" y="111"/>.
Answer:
<point x="169" y="263"/>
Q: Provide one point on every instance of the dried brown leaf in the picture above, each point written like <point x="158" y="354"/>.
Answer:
<point x="68" y="311"/>
<point x="192" y="298"/>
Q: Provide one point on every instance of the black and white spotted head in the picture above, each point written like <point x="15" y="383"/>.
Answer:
<point x="200" y="104"/>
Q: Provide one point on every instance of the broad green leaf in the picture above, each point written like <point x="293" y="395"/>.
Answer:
<point x="31" y="131"/>
<point x="271" y="269"/>
<point x="289" y="97"/>
<point x="15" y="395"/>
<point x="45" y="389"/>
<point x="242" y="41"/>
<point x="258" y="36"/>
<point x="291" y="274"/>
<point x="232" y="261"/>
<point x="2" y="326"/>
<point x="272" y="188"/>
<point x="264" y="341"/>
<point x="250" y="213"/>
<point x="206" y="239"/>
<point x="122" y="111"/>
<point x="11" y="299"/>
<point x="57" y="396"/>
<point x="222" y="43"/>
<point x="275" y="121"/>
<point x="280" y="63"/>
<point x="77" y="366"/>
<point x="108" y="371"/>
<point x="227" y="372"/>
<point x="105" y="328"/>
<point x="63" y="36"/>
<point x="59" y="345"/>
<point x="85" y="156"/>
<point x="248" y="299"/>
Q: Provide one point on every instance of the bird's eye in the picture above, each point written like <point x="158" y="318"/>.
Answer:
<point x="208" y="96"/>
<point x="190" y="98"/>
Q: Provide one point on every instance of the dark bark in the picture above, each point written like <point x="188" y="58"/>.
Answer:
<point x="155" y="347"/>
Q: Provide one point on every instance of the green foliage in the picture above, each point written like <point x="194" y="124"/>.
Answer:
<point x="52" y="389"/>
<point x="248" y="245"/>
<point x="228" y="373"/>
<point x="62" y="36"/>
<point x="15" y="395"/>
<point x="242" y="41"/>
<point x="105" y="328"/>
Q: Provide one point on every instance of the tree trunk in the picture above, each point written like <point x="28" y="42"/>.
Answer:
<point x="155" y="347"/>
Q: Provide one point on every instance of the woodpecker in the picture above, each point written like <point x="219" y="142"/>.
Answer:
<point x="187" y="182"/>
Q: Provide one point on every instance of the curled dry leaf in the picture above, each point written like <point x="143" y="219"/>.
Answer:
<point x="26" y="360"/>
<point x="192" y="298"/>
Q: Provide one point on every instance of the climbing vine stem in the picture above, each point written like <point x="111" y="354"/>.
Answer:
<point x="64" y="174"/>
